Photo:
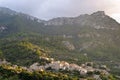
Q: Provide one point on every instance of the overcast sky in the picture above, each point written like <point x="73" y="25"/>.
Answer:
<point x="47" y="9"/>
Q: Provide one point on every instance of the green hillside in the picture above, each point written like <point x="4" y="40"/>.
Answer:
<point x="21" y="52"/>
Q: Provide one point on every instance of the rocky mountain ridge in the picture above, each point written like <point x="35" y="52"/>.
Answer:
<point x="84" y="19"/>
<point x="94" y="20"/>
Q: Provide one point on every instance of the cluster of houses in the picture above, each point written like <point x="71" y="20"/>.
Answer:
<point x="62" y="65"/>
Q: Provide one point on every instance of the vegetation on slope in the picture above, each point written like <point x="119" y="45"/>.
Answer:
<point x="22" y="52"/>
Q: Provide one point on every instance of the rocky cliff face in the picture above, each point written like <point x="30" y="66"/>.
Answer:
<point x="98" y="20"/>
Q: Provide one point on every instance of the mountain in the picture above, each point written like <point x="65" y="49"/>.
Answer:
<point x="14" y="22"/>
<point x="88" y="37"/>
<point x="97" y="20"/>
<point x="90" y="20"/>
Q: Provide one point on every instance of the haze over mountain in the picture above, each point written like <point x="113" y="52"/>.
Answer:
<point x="63" y="8"/>
<point x="88" y="37"/>
<point x="14" y="22"/>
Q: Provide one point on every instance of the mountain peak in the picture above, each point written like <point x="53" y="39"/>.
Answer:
<point x="99" y="13"/>
<point x="82" y="19"/>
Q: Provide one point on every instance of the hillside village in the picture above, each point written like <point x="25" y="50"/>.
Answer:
<point x="83" y="69"/>
<point x="56" y="66"/>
